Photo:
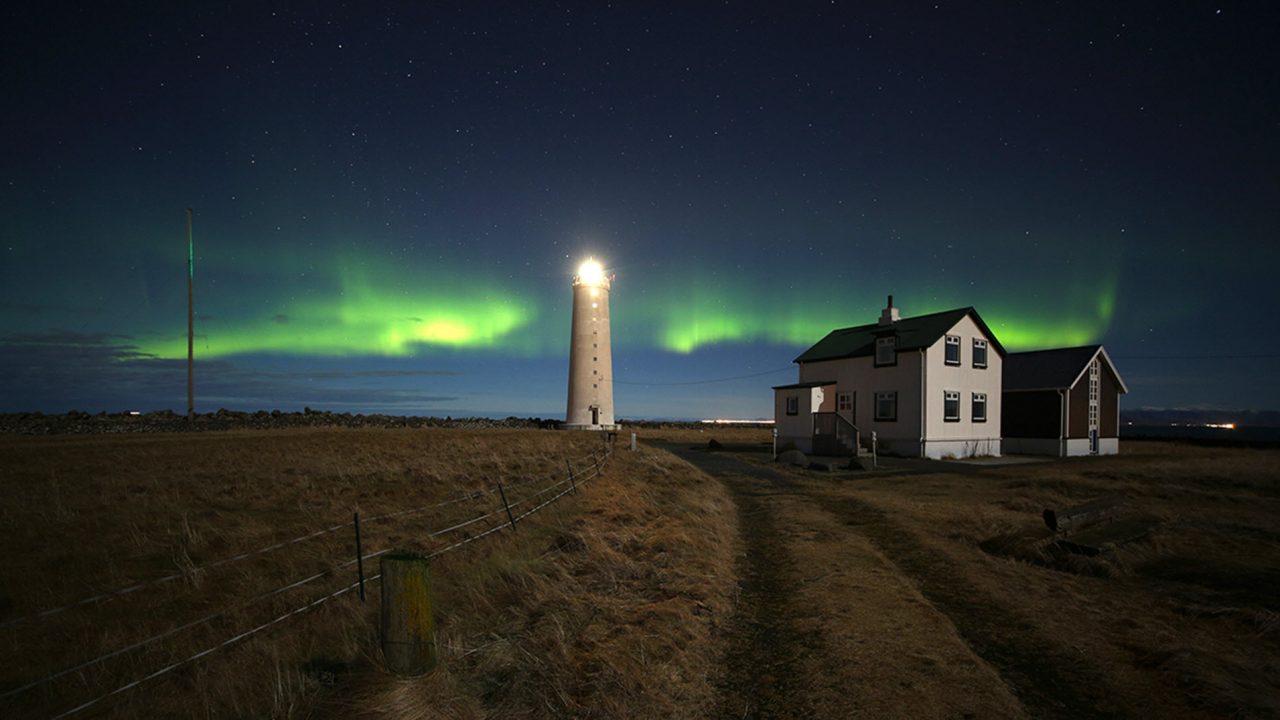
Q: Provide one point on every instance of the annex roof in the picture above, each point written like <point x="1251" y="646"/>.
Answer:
<point x="912" y="333"/>
<point x="1059" y="368"/>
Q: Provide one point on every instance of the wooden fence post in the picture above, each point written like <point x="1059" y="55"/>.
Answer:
<point x="408" y="630"/>
<point x="359" y="557"/>
<point x="572" y="486"/>
<point x="505" y="505"/>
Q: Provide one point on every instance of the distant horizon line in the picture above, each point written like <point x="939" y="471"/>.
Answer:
<point x="1217" y="413"/>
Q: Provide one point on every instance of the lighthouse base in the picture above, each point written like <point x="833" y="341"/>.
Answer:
<point x="610" y="428"/>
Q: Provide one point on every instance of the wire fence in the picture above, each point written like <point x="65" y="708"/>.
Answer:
<point x="113" y="594"/>
<point x="539" y="500"/>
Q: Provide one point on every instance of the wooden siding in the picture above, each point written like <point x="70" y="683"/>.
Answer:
<point x="1078" y="424"/>
<point x="1109" y="395"/>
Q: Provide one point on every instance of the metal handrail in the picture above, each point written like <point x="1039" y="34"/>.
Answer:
<point x="831" y="423"/>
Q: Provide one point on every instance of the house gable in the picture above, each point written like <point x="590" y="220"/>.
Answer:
<point x="1056" y="369"/>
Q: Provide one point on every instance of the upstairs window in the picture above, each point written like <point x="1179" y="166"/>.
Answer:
<point x="979" y="407"/>
<point x="979" y="353"/>
<point x="951" y="406"/>
<point x="885" y="351"/>
<point x="953" y="349"/>
<point x="886" y="406"/>
<point x="793" y="405"/>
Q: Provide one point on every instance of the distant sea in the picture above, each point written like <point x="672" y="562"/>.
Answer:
<point x="1241" y="435"/>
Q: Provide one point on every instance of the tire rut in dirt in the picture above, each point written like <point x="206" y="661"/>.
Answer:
<point x="1048" y="684"/>
<point x="761" y="679"/>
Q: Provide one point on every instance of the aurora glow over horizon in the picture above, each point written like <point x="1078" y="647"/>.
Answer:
<point x="389" y="206"/>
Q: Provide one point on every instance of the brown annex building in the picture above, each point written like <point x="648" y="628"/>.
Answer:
<point x="1061" y="402"/>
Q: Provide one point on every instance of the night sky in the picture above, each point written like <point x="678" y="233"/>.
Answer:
<point x="389" y="205"/>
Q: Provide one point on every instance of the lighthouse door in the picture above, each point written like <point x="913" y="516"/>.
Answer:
<point x="595" y="414"/>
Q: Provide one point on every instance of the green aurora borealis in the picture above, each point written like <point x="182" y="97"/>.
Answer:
<point x="389" y="205"/>
<point x="377" y="309"/>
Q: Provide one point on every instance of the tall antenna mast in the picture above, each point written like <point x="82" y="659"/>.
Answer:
<point x="191" y="321"/>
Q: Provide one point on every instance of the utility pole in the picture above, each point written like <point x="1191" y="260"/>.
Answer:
<point x="191" y="322"/>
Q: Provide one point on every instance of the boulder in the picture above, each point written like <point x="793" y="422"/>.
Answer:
<point x="793" y="457"/>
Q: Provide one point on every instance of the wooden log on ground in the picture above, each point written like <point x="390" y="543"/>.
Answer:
<point x="1102" y="538"/>
<point x="408" y="642"/>
<point x="1083" y="514"/>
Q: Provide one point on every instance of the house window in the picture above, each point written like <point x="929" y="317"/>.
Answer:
<point x="979" y="407"/>
<point x="793" y="405"/>
<point x="886" y="406"/>
<point x="979" y="353"/>
<point x="845" y="404"/>
<point x="951" y="406"/>
<point x="885" y="353"/>
<point x="953" y="349"/>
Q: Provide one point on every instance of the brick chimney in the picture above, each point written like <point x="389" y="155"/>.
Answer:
<point x="889" y="315"/>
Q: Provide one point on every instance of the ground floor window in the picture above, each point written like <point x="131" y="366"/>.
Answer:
<point x="793" y="405"/>
<point x="979" y="407"/>
<point x="951" y="406"/>
<point x="887" y="406"/>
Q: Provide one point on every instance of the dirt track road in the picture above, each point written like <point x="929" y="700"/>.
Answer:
<point x="843" y="613"/>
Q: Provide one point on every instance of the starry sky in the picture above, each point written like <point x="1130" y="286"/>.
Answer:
<point x="389" y="203"/>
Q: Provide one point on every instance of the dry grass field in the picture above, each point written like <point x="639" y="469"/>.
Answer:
<point x="744" y="589"/>
<point x="920" y="593"/>
<point x="603" y="603"/>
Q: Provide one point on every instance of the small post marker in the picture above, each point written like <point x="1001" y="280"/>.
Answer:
<point x="408" y="630"/>
<point x="572" y="485"/>
<point x="359" y="557"/>
<point x="505" y="505"/>
<point x="775" y="442"/>
<point x="633" y="442"/>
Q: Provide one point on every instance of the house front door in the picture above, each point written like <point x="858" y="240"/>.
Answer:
<point x="846" y="404"/>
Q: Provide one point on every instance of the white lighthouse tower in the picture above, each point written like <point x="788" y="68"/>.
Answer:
<point x="590" y="354"/>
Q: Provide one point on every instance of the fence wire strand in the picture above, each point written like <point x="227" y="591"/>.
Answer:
<point x="207" y="651"/>
<point x="580" y="477"/>
<point x="113" y="594"/>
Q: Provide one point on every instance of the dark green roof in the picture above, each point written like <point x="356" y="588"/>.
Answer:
<point x="1054" y="369"/>
<point x="912" y="334"/>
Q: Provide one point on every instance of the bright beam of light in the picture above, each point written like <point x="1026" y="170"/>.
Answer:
<point x="591" y="272"/>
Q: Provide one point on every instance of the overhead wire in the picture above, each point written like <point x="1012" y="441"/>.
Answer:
<point x="704" y="382"/>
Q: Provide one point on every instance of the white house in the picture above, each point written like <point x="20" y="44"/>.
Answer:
<point x="1064" y="401"/>
<point x="928" y="386"/>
